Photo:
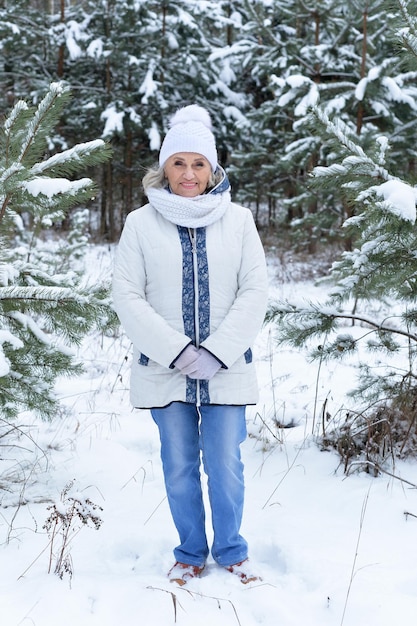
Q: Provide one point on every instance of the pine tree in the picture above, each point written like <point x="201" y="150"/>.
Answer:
<point x="372" y="301"/>
<point x="342" y="56"/>
<point x="45" y="306"/>
<point x="131" y="65"/>
<point x="22" y="48"/>
<point x="257" y="65"/>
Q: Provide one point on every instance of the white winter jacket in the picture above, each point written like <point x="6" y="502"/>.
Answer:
<point x="173" y="286"/>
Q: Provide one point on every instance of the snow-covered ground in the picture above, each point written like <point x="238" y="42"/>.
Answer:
<point x="331" y="550"/>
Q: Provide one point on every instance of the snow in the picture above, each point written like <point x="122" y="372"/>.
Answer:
<point x="113" y="119"/>
<point x="28" y="322"/>
<point x="50" y="187"/>
<point x="7" y="273"/>
<point x="394" y="91"/>
<point x="18" y="108"/>
<point x="148" y="87"/>
<point x="399" y="198"/>
<point x="227" y="74"/>
<point x="309" y="100"/>
<point x="73" y="32"/>
<point x="96" y="48"/>
<point x="332" y="550"/>
<point x="297" y="82"/>
<point x="235" y="99"/>
<point x="335" y="105"/>
<point x="13" y="27"/>
<point x="233" y="113"/>
<point x="172" y="41"/>
<point x="186" y="19"/>
<point x="154" y="137"/>
<point x="68" y="155"/>
<point x="15" y="342"/>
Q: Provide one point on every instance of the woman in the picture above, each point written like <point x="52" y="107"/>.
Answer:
<point x="190" y="289"/>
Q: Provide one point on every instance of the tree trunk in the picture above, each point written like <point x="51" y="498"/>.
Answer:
<point x="359" y="119"/>
<point x="107" y="229"/>
<point x="317" y="67"/>
<point x="111" y="231"/>
<point x="128" y="203"/>
<point x="61" y="50"/>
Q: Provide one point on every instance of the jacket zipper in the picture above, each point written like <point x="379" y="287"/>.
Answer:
<point x="192" y="233"/>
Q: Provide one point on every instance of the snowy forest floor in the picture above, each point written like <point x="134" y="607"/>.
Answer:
<point x="332" y="550"/>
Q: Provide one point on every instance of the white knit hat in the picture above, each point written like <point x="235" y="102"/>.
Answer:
<point x="190" y="131"/>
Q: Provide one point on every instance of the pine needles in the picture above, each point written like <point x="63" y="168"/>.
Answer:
<point x="45" y="306"/>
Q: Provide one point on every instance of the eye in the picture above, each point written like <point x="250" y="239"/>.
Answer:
<point x="177" y="162"/>
<point x="200" y="164"/>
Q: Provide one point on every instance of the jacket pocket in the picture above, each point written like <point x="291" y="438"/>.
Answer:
<point x="248" y="356"/>
<point x="143" y="359"/>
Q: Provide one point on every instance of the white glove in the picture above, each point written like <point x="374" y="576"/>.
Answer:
<point x="187" y="358"/>
<point x="204" y="367"/>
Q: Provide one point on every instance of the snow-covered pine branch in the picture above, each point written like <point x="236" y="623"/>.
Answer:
<point x="45" y="109"/>
<point x="45" y="308"/>
<point x="300" y="323"/>
<point x="68" y="160"/>
<point x="356" y="154"/>
<point x="46" y="294"/>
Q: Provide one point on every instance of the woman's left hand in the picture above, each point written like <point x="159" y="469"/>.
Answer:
<point x="204" y="367"/>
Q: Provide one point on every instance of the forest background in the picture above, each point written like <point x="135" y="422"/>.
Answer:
<point x="314" y="107"/>
<point x="314" y="111"/>
<point x="257" y="65"/>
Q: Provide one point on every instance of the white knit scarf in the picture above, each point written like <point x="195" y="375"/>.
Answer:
<point x="190" y="212"/>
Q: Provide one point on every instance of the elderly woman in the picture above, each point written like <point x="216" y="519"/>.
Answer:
<point x="190" y="289"/>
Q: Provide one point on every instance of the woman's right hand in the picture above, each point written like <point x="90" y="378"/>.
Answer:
<point x="198" y="364"/>
<point x="187" y="359"/>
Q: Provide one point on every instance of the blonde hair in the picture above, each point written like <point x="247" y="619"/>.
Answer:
<point x="155" y="178"/>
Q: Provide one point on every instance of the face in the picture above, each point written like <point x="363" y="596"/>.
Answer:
<point x="188" y="173"/>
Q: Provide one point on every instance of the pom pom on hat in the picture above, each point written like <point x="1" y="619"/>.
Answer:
<point x="190" y="131"/>
<point x="192" y="113"/>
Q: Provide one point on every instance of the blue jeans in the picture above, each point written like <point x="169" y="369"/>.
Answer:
<point x="216" y="431"/>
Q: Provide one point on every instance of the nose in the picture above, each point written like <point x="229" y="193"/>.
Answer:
<point x="188" y="174"/>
